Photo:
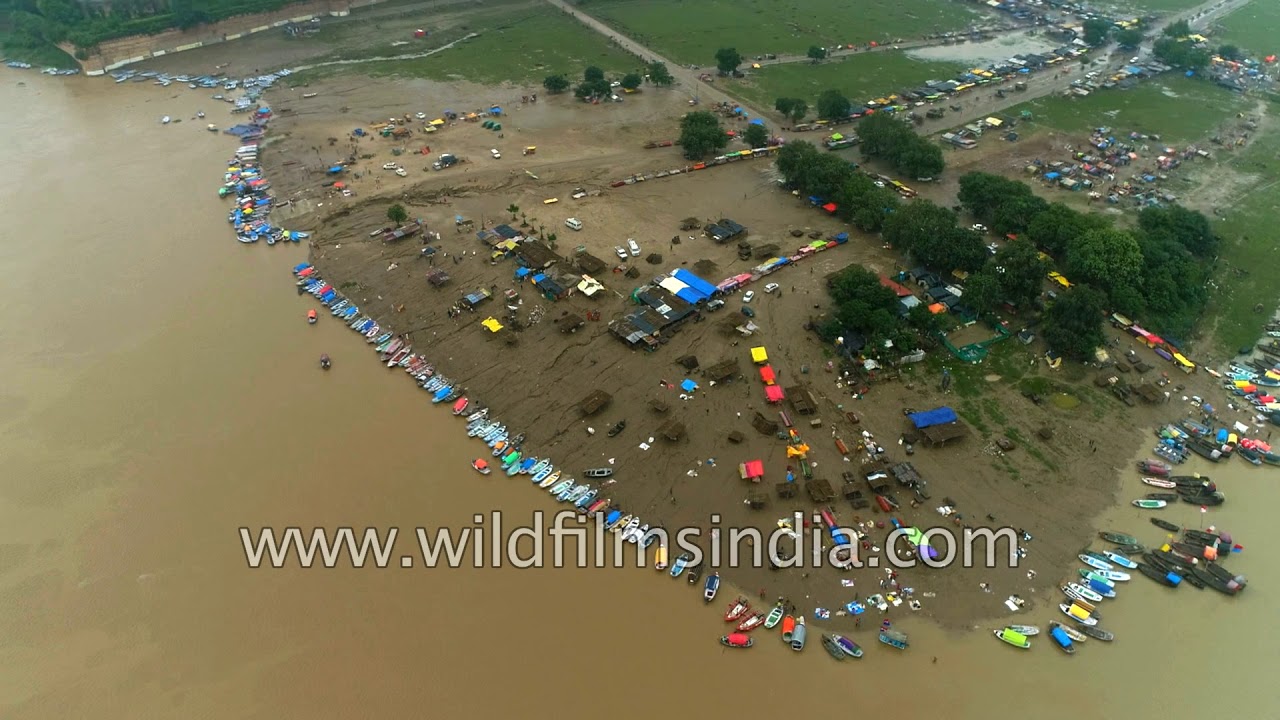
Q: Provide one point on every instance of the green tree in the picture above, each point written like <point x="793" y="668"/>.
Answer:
<point x="397" y="214"/>
<point x="555" y="83"/>
<point x="1058" y="226"/>
<point x="514" y="210"/>
<point x="956" y="248"/>
<point x="817" y="53"/>
<point x="1178" y="30"/>
<point x="756" y="136"/>
<point x="1188" y="228"/>
<point x="1073" y="323"/>
<point x="793" y="108"/>
<point x="1018" y="272"/>
<point x="659" y="74"/>
<point x="592" y="74"/>
<point x="833" y="105"/>
<point x="592" y="88"/>
<point x="727" y="60"/>
<point x="701" y="135"/>
<point x="1180" y="53"/>
<point x="1130" y="37"/>
<point x="631" y="81"/>
<point x="1230" y="52"/>
<point x="920" y="159"/>
<point x="1107" y="258"/>
<point x="1096" y="31"/>
<point x="917" y="223"/>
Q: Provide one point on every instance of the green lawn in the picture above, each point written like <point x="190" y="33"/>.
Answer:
<point x="1254" y="27"/>
<point x="518" y="47"/>
<point x="1245" y="277"/>
<point x="41" y="57"/>
<point x="1178" y="109"/>
<point x="859" y="77"/>
<point x="689" y="31"/>
<point x="1160" y="6"/>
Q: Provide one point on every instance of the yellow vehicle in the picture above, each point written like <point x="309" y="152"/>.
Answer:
<point x="1058" y="278"/>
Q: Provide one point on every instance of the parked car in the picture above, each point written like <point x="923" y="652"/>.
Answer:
<point x="772" y="288"/>
<point x="751" y="295"/>
<point x="715" y="305"/>
<point x="1058" y="278"/>
<point x="621" y="251"/>
<point x="978" y="227"/>
<point x="573" y="224"/>
<point x="633" y="247"/>
<point x="390" y="166"/>
<point x="496" y="155"/>
<point x="748" y="311"/>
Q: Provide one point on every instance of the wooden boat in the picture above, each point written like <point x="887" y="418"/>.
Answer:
<point x="893" y="638"/>
<point x="541" y="475"/>
<point x="1072" y="633"/>
<point x="1150" y="504"/>
<point x="660" y="558"/>
<point x="399" y="357"/>
<point x="1165" y="525"/>
<point x="694" y="575"/>
<point x="737" y="610"/>
<point x="538" y="467"/>
<point x="1013" y="637"/>
<point x="480" y="414"/>
<point x="1096" y="633"/>
<point x="1028" y="630"/>
<point x="1121" y="560"/>
<point x="1112" y="575"/>
<point x="829" y="644"/>
<point x="598" y="506"/>
<point x="565" y="485"/>
<point x="617" y="428"/>
<point x="775" y="617"/>
<point x="550" y="480"/>
<point x="751" y="622"/>
<point x="480" y="465"/>
<point x="788" y="628"/>
<point x="1118" y="538"/>
<point x="631" y="526"/>
<point x="1094" y="562"/>
<point x="1061" y="639"/>
<point x="587" y="499"/>
<point x="1159" y="482"/>
<point x="737" y="640"/>
<point x="1077" y="613"/>
<point x="711" y="587"/>
<point x="1159" y="575"/>
<point x="847" y="646"/>
<point x="1167" y="497"/>
<point x="460" y="406"/>
<point x="798" y="635"/>
<point x="1135" y="549"/>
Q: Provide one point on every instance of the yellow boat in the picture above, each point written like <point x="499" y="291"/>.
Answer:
<point x="660" y="558"/>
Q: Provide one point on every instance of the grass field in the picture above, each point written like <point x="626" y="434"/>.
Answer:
<point x="1176" y="108"/>
<point x="690" y="32"/>
<point x="1245" y="277"/>
<point x="520" y="47"/>
<point x="1254" y="28"/>
<point x="859" y="77"/>
<point x="1160" y="6"/>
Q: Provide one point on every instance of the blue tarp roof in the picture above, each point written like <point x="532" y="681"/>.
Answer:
<point x="688" y="385"/>
<point x="936" y="416"/>
<point x="696" y="283"/>
<point x="690" y="296"/>
<point x="756" y="121"/>
<point x="521" y="272"/>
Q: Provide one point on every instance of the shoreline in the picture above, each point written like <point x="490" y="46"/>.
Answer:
<point x="342" y="251"/>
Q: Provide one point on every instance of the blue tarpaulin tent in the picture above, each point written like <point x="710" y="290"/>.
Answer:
<point x="688" y="385"/>
<point x="697" y="284"/>
<point x="936" y="416"/>
<point x="756" y="121"/>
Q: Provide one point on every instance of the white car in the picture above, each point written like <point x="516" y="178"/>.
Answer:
<point x="421" y="116"/>
<point x="496" y="155"/>
<point x="635" y="249"/>
<point x="390" y="166"/>
<point x="772" y="288"/>
<point x="573" y="224"/>
<point x="751" y="295"/>
<point x="621" y="252"/>
<point x="978" y="227"/>
<point x="402" y="172"/>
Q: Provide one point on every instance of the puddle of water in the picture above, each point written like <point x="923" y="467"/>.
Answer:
<point x="986" y="52"/>
<point x="1064" y="401"/>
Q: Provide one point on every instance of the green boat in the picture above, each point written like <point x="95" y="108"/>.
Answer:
<point x="1146" y="504"/>
<point x="1118" y="538"/>
<point x="1013" y="637"/>
<point x="775" y="617"/>
<point x="893" y="638"/>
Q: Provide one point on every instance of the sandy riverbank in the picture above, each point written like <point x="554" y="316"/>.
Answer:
<point x="534" y="377"/>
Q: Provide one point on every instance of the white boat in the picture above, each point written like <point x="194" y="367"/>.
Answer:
<point x="1121" y="560"/>
<point x="629" y="527"/>
<point x="1083" y="593"/>
<point x="1095" y="563"/>
<point x="638" y="533"/>
<point x="1113" y="575"/>
<point x="1077" y="613"/>
<point x="551" y="479"/>
<point x="165" y="120"/>
<point x="1028" y="630"/>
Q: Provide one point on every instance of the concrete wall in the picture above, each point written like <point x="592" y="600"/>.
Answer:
<point x="124" y="51"/>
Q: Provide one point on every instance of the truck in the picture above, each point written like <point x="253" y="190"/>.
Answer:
<point x="935" y="113"/>
<point x="446" y="161"/>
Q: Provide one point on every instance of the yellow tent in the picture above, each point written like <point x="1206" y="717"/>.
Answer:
<point x="759" y="355"/>
<point x="492" y="324"/>
<point x="437" y="121"/>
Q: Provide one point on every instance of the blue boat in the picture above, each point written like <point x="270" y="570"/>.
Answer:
<point x="710" y="587"/>
<point x="542" y="474"/>
<point x="586" y="499"/>
<point x="300" y="267"/>
<point x="612" y="517"/>
<point x="527" y="464"/>
<point x="680" y="564"/>
<point x="1061" y="640"/>
<point x="893" y="638"/>
<point x="441" y="394"/>
<point x="514" y="468"/>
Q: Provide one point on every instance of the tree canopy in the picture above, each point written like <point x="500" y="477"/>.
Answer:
<point x="1073" y="323"/>
<point x="631" y="80"/>
<point x="1096" y="31"/>
<point x="756" y="136"/>
<point x="865" y="306"/>
<point x="1180" y="53"/>
<point x="857" y="198"/>
<point x="793" y="108"/>
<point x="555" y="83"/>
<point x="397" y="214"/>
<point x="659" y="74"/>
<point x="701" y="134"/>
<point x="728" y="60"/>
<point x="816" y="53"/>
<point x="886" y="137"/>
<point x="833" y="105"/>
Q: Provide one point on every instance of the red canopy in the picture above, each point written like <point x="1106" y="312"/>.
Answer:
<point x="773" y="393"/>
<point x="767" y="375"/>
<point x="754" y="468"/>
<point x="829" y="207"/>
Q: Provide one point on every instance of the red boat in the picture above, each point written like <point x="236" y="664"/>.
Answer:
<point x="737" y="610"/>
<point x="460" y="406"/>
<point x="751" y="623"/>
<point x="737" y="640"/>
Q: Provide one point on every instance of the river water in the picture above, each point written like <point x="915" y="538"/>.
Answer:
<point x="161" y="392"/>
